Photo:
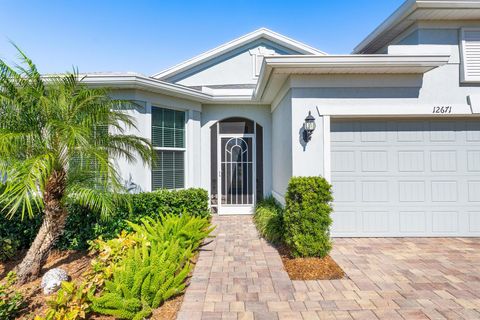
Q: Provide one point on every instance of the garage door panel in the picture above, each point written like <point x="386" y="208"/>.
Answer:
<point x="374" y="161"/>
<point x="373" y="132"/>
<point x="474" y="191"/>
<point x="375" y="222"/>
<point x="344" y="191"/>
<point x="411" y="191"/>
<point x="412" y="222"/>
<point x="443" y="161"/>
<point x="474" y="221"/>
<point x="375" y="191"/>
<point x="473" y="161"/>
<point x="444" y="222"/>
<point x="343" y="161"/>
<point x="411" y="131"/>
<point x="345" y="222"/>
<point x="406" y="178"/>
<point x="442" y="131"/>
<point x="411" y="161"/>
<point x="473" y="131"/>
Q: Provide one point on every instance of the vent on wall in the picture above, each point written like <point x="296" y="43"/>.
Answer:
<point x="470" y="43"/>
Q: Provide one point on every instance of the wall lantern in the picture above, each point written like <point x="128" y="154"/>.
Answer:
<point x="308" y="127"/>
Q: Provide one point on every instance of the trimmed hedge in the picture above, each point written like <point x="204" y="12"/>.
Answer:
<point x="83" y="225"/>
<point x="269" y="220"/>
<point x="307" y="216"/>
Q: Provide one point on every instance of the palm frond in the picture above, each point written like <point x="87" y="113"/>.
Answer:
<point x="58" y="124"/>
<point x="25" y="182"/>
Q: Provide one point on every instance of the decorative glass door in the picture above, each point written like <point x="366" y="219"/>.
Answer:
<point x="236" y="155"/>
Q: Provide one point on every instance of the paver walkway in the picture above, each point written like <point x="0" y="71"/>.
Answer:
<point x="240" y="276"/>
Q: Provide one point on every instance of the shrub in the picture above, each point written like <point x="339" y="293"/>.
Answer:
<point x="187" y="230"/>
<point x="8" y="248"/>
<point x="269" y="220"/>
<point x="70" y="303"/>
<point x="84" y="225"/>
<point x="11" y="301"/>
<point x="154" y="269"/>
<point x="307" y="216"/>
<point x="144" y="279"/>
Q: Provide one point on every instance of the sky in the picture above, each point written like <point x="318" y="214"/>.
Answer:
<point x="148" y="36"/>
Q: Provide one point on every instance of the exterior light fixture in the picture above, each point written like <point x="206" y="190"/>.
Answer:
<point x="308" y="127"/>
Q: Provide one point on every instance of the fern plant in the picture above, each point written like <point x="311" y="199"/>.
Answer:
<point x="148" y="276"/>
<point x="188" y="230"/>
<point x="154" y="268"/>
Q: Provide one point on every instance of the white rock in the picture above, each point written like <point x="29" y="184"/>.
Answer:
<point x="52" y="280"/>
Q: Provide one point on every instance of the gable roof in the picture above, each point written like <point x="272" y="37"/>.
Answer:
<point x="229" y="46"/>
<point x="412" y="11"/>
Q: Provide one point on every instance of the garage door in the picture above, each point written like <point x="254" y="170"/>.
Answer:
<point x="406" y="178"/>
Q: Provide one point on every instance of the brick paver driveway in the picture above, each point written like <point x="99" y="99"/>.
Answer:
<point x="239" y="276"/>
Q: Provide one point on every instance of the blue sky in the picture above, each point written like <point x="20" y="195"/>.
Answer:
<point x="149" y="36"/>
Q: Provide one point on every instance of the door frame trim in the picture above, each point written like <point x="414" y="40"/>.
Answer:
<point x="238" y="209"/>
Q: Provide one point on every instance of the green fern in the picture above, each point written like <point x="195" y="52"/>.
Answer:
<point x="155" y="269"/>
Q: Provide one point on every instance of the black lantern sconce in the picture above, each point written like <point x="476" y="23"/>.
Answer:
<point x="308" y="127"/>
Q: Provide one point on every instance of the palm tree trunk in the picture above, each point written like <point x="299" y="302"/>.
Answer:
<point x="55" y="215"/>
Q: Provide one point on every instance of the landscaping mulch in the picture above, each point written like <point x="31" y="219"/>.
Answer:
<point x="76" y="263"/>
<point x="310" y="268"/>
<point x="168" y="310"/>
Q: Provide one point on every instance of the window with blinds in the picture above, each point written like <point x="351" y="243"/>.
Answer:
<point x="168" y="128"/>
<point x="168" y="139"/>
<point x="471" y="55"/>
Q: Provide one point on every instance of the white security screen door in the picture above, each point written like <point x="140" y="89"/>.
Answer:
<point x="236" y="173"/>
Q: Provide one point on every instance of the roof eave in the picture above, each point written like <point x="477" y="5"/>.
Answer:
<point x="231" y="45"/>
<point x="157" y="86"/>
<point x="406" y="10"/>
<point x="346" y="64"/>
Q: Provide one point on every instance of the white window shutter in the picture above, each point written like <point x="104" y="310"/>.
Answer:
<point x="471" y="55"/>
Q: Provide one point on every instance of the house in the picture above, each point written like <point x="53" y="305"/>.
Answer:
<point x="397" y="128"/>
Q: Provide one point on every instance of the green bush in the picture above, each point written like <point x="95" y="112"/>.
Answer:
<point x="155" y="268"/>
<point x="269" y="220"/>
<point x="11" y="301"/>
<point x="71" y="302"/>
<point x="8" y="248"/>
<point x="83" y="225"/>
<point x="307" y="216"/>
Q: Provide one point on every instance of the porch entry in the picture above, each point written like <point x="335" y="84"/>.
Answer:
<point x="236" y="166"/>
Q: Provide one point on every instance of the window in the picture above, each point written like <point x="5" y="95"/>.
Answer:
<point x="470" y="44"/>
<point x="87" y="162"/>
<point x="168" y="139"/>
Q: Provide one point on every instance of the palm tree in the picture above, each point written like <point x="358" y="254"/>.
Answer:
<point x="58" y="139"/>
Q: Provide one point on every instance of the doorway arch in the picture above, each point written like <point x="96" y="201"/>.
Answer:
<point x="236" y="165"/>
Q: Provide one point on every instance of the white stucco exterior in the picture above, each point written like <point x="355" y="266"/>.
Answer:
<point x="410" y="70"/>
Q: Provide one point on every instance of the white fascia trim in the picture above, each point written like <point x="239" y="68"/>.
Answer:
<point x="405" y="10"/>
<point x="353" y="61"/>
<point x="257" y="34"/>
<point x="132" y="81"/>
<point x="346" y="64"/>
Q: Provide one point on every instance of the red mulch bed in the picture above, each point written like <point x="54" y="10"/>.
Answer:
<point x="310" y="268"/>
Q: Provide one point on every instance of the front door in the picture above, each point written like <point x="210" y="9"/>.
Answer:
<point x="236" y="172"/>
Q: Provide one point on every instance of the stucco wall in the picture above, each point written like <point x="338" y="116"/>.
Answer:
<point x="138" y="172"/>
<point x="235" y="67"/>
<point x="282" y="146"/>
<point x="307" y="157"/>
<point x="211" y="114"/>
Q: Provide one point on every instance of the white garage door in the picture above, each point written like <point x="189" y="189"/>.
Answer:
<point x="406" y="178"/>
